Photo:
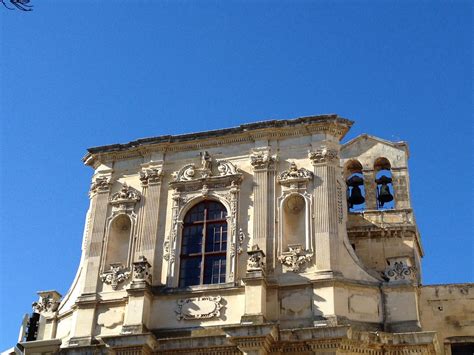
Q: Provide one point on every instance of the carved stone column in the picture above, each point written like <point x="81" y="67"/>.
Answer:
<point x="326" y="165"/>
<point x="264" y="202"/>
<point x="370" y="190"/>
<point x="151" y="177"/>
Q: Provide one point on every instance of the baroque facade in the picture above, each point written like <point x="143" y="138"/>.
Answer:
<point x="267" y="238"/>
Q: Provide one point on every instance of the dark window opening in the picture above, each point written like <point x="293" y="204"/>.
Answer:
<point x="204" y="245"/>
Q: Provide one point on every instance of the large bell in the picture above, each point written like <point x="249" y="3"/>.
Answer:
<point x="355" y="197"/>
<point x="384" y="194"/>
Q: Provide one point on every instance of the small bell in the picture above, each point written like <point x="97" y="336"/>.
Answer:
<point x="383" y="192"/>
<point x="355" y="197"/>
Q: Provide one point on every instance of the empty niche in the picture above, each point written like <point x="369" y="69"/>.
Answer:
<point x="118" y="240"/>
<point x="294" y="223"/>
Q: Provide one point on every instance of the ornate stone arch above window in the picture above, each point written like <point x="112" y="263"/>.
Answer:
<point x="192" y="185"/>
<point x="295" y="245"/>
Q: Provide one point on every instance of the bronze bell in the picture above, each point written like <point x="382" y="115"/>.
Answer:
<point x="383" y="191"/>
<point x="355" y="197"/>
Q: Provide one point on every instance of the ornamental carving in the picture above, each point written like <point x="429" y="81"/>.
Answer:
<point x="116" y="275"/>
<point x="126" y="195"/>
<point x="256" y="260"/>
<point x="293" y="175"/>
<point x="226" y="168"/>
<point x="262" y="160"/>
<point x="399" y="269"/>
<point x="100" y="184"/>
<point x="323" y="155"/>
<point x="48" y="302"/>
<point x="151" y="176"/>
<point x="141" y="270"/>
<point x="296" y="258"/>
<point x="199" y="308"/>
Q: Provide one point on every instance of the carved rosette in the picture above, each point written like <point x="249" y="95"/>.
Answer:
<point x="256" y="259"/>
<point x="262" y="160"/>
<point x="296" y="258"/>
<point x="141" y="270"/>
<point x="293" y="176"/>
<point x="116" y="275"/>
<point x="151" y="176"/>
<point x="399" y="269"/>
<point x="323" y="155"/>
<point x="205" y="307"/>
<point x="100" y="184"/>
<point x="48" y="302"/>
<point x="124" y="200"/>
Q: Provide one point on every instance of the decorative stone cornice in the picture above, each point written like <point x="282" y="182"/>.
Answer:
<point x="262" y="160"/>
<point x="116" y="275"/>
<point x="48" y="302"/>
<point x="100" y="184"/>
<point x="323" y="155"/>
<point x="205" y="307"/>
<point x="256" y="259"/>
<point x="295" y="258"/>
<point x="151" y="176"/>
<point x="294" y="176"/>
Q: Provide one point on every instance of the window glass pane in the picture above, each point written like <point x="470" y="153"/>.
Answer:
<point x="216" y="237"/>
<point x="190" y="271"/>
<point x="216" y="211"/>
<point x="214" y="269"/>
<point x="192" y="240"/>
<point x="195" y="214"/>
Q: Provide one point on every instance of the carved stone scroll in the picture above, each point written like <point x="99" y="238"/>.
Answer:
<point x="256" y="259"/>
<point x="295" y="258"/>
<point x="323" y="155"/>
<point x="400" y="269"/>
<point x="294" y="176"/>
<point x="199" y="308"/>
<point x="116" y="275"/>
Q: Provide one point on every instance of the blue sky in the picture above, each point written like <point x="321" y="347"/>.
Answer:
<point x="78" y="74"/>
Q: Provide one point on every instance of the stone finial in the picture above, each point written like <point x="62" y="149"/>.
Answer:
<point x="48" y="302"/>
<point x="141" y="270"/>
<point x="323" y="155"/>
<point x="256" y="259"/>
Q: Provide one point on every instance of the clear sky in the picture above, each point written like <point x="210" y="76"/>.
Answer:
<point x="76" y="74"/>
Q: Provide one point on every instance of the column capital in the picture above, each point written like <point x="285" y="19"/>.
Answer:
<point x="151" y="176"/>
<point x="261" y="159"/>
<point x="323" y="155"/>
<point x="101" y="184"/>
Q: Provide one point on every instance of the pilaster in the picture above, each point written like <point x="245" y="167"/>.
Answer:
<point x="400" y="188"/>
<point x="370" y="187"/>
<point x="151" y="177"/>
<point x="264" y="201"/>
<point x="325" y="161"/>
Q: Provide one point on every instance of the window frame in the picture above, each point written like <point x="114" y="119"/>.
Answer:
<point x="204" y="256"/>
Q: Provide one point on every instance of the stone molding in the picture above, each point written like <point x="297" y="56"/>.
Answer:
<point x="205" y="307"/>
<point x="323" y="155"/>
<point x="116" y="275"/>
<point x="295" y="258"/>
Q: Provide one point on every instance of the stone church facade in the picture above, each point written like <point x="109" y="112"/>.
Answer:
<point x="267" y="238"/>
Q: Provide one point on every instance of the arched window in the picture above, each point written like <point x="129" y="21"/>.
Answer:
<point x="204" y="245"/>
<point x="383" y="178"/>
